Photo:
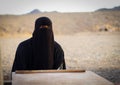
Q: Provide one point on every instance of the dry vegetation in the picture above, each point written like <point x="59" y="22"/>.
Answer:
<point x="76" y="32"/>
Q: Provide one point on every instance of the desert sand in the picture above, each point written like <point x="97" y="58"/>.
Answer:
<point x="94" y="51"/>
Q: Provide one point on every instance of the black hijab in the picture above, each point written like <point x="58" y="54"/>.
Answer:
<point x="43" y="45"/>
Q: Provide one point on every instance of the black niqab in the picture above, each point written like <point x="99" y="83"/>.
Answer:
<point x="43" y="45"/>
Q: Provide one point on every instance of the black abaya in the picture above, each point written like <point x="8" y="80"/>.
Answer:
<point x="40" y="52"/>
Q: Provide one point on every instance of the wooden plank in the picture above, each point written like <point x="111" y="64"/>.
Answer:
<point x="46" y="71"/>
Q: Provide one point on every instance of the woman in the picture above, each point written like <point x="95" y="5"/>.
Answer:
<point x="40" y="52"/>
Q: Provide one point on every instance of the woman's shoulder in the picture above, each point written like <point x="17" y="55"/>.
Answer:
<point x="25" y="43"/>
<point x="57" y="46"/>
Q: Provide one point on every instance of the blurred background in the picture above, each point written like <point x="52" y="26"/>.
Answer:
<point x="88" y="31"/>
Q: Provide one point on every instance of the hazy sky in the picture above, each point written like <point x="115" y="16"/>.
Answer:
<point x="24" y="6"/>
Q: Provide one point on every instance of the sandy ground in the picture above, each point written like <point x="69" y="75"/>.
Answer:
<point x="97" y="52"/>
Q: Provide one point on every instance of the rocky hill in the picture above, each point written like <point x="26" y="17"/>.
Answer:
<point x="117" y="8"/>
<point x="63" y="23"/>
<point x="35" y="11"/>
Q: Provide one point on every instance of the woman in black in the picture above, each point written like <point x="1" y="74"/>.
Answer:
<point x="40" y="52"/>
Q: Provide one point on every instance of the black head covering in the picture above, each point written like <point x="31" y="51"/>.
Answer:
<point x="43" y="45"/>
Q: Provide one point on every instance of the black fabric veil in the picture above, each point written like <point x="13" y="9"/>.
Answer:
<point x="43" y="45"/>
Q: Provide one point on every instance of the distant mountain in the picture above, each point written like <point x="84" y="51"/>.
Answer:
<point x="35" y="11"/>
<point x="117" y="8"/>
